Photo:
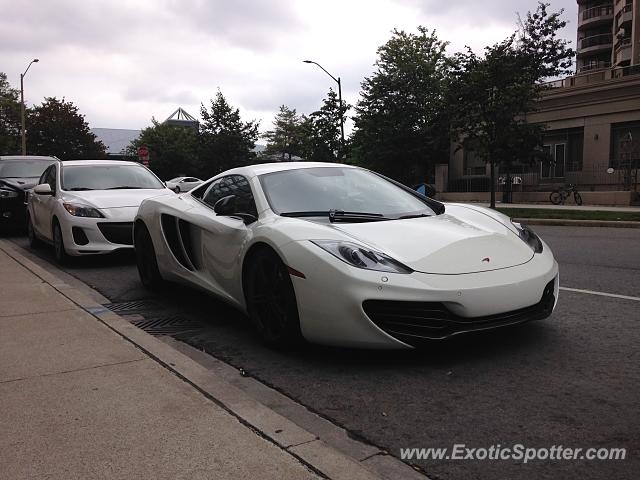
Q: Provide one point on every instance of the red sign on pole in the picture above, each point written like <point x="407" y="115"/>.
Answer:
<point x="143" y="155"/>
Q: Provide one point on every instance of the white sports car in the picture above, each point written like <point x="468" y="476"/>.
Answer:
<point x="87" y="207"/>
<point x="340" y="255"/>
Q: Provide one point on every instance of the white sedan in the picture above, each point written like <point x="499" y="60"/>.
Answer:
<point x="183" y="184"/>
<point x="339" y="255"/>
<point x="87" y="207"/>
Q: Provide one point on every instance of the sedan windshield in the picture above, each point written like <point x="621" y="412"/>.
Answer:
<point x="108" y="177"/>
<point x="23" y="168"/>
<point x="307" y="191"/>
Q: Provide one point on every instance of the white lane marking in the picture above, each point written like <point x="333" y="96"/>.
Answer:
<point x="603" y="294"/>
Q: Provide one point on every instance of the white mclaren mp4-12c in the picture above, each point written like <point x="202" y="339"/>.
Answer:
<point x="344" y="256"/>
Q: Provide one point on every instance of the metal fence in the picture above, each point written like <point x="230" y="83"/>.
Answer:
<point x="595" y="177"/>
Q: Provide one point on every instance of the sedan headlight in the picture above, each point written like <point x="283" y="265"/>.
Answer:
<point x="4" y="193"/>
<point x="529" y="237"/>
<point x="78" y="210"/>
<point x="362" y="257"/>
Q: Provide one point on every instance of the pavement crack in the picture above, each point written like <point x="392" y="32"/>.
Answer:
<point x="71" y="371"/>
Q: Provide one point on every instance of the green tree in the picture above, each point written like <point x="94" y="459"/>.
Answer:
<point x="174" y="150"/>
<point x="226" y="141"/>
<point x="57" y="128"/>
<point x="401" y="121"/>
<point x="9" y="118"/>
<point x="323" y="141"/>
<point x="285" y="138"/>
<point x="492" y="94"/>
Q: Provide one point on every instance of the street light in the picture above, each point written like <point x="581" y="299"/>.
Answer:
<point x="337" y="80"/>
<point x="24" y="136"/>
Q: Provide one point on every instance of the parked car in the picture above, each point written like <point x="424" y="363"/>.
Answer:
<point x="87" y="207"/>
<point x="340" y="255"/>
<point x="183" y="184"/>
<point x="18" y="175"/>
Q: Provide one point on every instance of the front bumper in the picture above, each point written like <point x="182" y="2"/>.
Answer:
<point x="335" y="300"/>
<point x="94" y="236"/>
<point x="13" y="211"/>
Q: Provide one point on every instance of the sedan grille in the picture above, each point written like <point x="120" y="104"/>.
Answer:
<point x="412" y="322"/>
<point x="117" y="232"/>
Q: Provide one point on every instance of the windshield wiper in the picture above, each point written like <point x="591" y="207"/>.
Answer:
<point x="124" y="187"/>
<point x="416" y="215"/>
<point x="336" y="215"/>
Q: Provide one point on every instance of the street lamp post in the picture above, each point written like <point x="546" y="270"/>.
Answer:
<point x="337" y="80"/>
<point x="23" y="132"/>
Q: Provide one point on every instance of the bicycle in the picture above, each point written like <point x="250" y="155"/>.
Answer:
<point x="559" y="196"/>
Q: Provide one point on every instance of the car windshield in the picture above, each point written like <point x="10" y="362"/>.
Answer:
<point x="108" y="177"/>
<point x="325" y="189"/>
<point x="23" y="168"/>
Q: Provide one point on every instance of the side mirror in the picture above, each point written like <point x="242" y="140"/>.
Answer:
<point x="226" y="205"/>
<point x="43" y="189"/>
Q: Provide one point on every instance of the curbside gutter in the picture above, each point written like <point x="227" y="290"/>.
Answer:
<point x="578" y="223"/>
<point x="314" y="450"/>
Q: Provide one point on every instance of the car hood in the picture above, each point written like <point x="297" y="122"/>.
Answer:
<point x="103" y="199"/>
<point x="25" y="183"/>
<point x="461" y="241"/>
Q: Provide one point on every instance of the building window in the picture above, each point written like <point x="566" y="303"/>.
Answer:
<point x="472" y="164"/>
<point x="564" y="152"/>
<point x="625" y="144"/>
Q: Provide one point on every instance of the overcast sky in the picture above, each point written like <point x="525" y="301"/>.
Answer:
<point x="123" y="61"/>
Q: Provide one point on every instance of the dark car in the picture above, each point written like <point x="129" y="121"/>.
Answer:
<point x="18" y="174"/>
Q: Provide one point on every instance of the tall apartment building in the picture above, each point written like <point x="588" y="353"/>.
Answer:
<point x="592" y="118"/>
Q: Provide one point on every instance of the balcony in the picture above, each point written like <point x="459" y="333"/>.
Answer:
<point x="593" y="66"/>
<point x="624" y="17"/>
<point x="595" y="15"/>
<point x="622" y="51"/>
<point x="595" y="43"/>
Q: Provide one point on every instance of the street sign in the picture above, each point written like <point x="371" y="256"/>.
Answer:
<point x="143" y="155"/>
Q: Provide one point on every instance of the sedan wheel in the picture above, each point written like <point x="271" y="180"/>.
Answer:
<point x="34" y="241"/>
<point x="176" y="189"/>
<point x="271" y="300"/>
<point x="58" y="245"/>
<point x="146" y="259"/>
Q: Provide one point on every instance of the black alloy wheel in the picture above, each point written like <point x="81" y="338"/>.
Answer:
<point x="34" y="241"/>
<point x="271" y="300"/>
<point x="58" y="245"/>
<point x="146" y="260"/>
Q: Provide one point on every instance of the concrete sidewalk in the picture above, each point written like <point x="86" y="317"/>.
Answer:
<point x="80" y="401"/>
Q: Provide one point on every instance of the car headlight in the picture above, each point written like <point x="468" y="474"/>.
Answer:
<point x="4" y="193"/>
<point x="361" y="257"/>
<point x="78" y="210"/>
<point x="529" y="237"/>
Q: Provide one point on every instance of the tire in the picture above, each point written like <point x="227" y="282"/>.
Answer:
<point x="34" y="241"/>
<point x="577" y="198"/>
<point x="555" y="197"/>
<point x="146" y="260"/>
<point x="176" y="189"/>
<point x="271" y="300"/>
<point x="58" y="245"/>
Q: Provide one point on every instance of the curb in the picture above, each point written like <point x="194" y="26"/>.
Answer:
<point x="578" y="223"/>
<point x="310" y="449"/>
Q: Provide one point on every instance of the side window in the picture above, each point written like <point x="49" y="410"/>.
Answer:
<point x="218" y="189"/>
<point x="44" y="175"/>
<point x="246" y="203"/>
<point x="232" y="185"/>
<point x="200" y="190"/>
<point x="51" y="178"/>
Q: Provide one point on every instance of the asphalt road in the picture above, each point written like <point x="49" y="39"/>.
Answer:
<point x="571" y="380"/>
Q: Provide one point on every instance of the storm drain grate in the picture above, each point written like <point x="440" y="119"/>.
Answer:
<point x="167" y="325"/>
<point x="133" y="307"/>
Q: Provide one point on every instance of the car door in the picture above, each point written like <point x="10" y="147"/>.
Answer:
<point x="43" y="204"/>
<point x="223" y="238"/>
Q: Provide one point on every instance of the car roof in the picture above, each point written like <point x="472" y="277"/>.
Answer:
<point x="28" y="157"/>
<point x="98" y="162"/>
<point x="264" y="168"/>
